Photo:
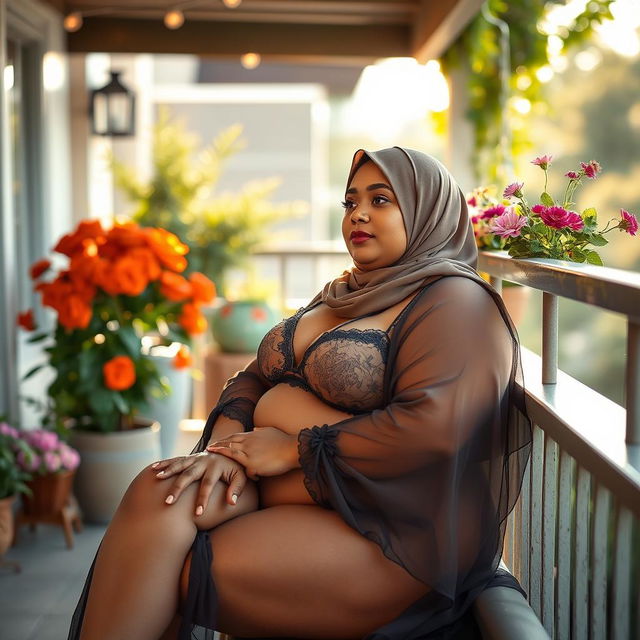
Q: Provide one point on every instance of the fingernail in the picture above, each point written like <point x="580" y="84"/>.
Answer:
<point x="234" y="498"/>
<point x="199" y="510"/>
<point x="169" y="500"/>
<point x="154" y="465"/>
<point x="160" y="473"/>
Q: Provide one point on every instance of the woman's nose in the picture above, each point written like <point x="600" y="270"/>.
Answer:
<point x="359" y="214"/>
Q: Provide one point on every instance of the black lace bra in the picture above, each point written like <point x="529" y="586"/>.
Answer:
<point x="344" y="367"/>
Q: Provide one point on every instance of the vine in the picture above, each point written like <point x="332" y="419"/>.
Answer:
<point x="478" y="51"/>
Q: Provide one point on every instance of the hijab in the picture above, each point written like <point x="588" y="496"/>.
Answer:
<point x="440" y="240"/>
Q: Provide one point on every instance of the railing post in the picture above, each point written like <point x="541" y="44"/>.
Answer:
<point x="633" y="382"/>
<point x="549" y="338"/>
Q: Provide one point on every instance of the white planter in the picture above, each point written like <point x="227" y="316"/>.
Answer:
<point x="108" y="464"/>
<point x="170" y="410"/>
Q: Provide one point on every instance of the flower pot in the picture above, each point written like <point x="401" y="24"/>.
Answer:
<point x="108" y="464"/>
<point x="49" y="494"/>
<point x="516" y="299"/>
<point x="6" y="523"/>
<point x="238" y="327"/>
<point x="169" y="410"/>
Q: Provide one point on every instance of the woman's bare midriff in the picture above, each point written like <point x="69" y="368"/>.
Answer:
<point x="290" y="409"/>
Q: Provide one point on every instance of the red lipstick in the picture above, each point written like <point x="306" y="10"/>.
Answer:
<point x="358" y="237"/>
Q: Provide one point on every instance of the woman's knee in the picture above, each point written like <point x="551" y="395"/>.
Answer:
<point x="144" y="493"/>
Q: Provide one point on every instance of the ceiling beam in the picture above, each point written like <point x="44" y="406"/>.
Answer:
<point x="359" y="43"/>
<point x="439" y="24"/>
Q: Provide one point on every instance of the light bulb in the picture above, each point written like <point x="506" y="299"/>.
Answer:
<point x="173" y="19"/>
<point x="73" y="22"/>
<point x="250" y="60"/>
<point x="231" y="4"/>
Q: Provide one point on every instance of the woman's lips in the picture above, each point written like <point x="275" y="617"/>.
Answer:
<point x="358" y="237"/>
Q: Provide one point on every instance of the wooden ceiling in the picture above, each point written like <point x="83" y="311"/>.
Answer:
<point x="294" y="30"/>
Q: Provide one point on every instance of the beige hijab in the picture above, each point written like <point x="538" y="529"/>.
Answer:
<point x="440" y="240"/>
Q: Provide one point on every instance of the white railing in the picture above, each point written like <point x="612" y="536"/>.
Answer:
<point x="573" y="539"/>
<point x="570" y="539"/>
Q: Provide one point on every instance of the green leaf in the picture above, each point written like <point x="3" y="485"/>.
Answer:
<point x="546" y="199"/>
<point x="594" y="258"/>
<point x="578" y="255"/>
<point x="32" y="371"/>
<point x="598" y="240"/>
<point x="90" y="367"/>
<point x="120" y="403"/>
<point x="101" y="401"/>
<point x="38" y="338"/>
<point x="130" y="341"/>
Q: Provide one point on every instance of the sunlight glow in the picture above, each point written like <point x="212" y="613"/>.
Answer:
<point x="396" y="91"/>
<point x="9" y="77"/>
<point x="588" y="59"/>
<point x="545" y="73"/>
<point x="521" y="105"/>
<point x="53" y="71"/>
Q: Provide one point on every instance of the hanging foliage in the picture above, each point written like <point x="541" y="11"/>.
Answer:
<point x="478" y="51"/>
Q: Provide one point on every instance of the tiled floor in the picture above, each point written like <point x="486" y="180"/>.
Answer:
<point x="37" y="603"/>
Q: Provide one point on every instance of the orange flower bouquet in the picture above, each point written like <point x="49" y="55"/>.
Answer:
<point x="118" y="286"/>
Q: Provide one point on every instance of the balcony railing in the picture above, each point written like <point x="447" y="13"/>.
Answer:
<point x="573" y="538"/>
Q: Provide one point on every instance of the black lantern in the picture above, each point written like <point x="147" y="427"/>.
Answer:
<point x="112" y="109"/>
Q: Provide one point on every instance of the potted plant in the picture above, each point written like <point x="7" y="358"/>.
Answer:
<point x="13" y="481"/>
<point x="117" y="287"/>
<point x="220" y="229"/>
<point x="52" y="464"/>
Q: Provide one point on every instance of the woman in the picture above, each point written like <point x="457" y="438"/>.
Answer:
<point x="378" y="430"/>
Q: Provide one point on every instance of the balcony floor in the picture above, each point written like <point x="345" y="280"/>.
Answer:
<point x="38" y="602"/>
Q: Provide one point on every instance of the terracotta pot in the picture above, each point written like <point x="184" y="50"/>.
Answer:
<point x="6" y="523"/>
<point x="108" y="464"/>
<point x="516" y="299"/>
<point x="50" y="494"/>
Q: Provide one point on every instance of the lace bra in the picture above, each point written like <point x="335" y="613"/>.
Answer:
<point x="344" y="367"/>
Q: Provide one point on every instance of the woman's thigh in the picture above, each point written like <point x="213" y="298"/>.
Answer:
<point x="297" y="570"/>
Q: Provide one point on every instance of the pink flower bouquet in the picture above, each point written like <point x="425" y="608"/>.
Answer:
<point x="550" y="229"/>
<point x="48" y="454"/>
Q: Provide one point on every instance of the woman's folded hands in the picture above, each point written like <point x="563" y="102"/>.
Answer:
<point x="265" y="451"/>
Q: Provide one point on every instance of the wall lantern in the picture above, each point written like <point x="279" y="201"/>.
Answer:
<point x="112" y="109"/>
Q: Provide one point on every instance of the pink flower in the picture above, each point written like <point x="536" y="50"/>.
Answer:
<point x="474" y="219"/>
<point x="629" y="222"/>
<point x="514" y="189"/>
<point x="538" y="208"/>
<point x="591" y="169"/>
<point x="543" y="161"/>
<point x="8" y="430"/>
<point x="560" y="218"/>
<point x="28" y="462"/>
<point x="51" y="461"/>
<point x="69" y="457"/>
<point x="572" y="175"/>
<point x="472" y="202"/>
<point x="41" y="439"/>
<point x="492" y="212"/>
<point x="509" y="224"/>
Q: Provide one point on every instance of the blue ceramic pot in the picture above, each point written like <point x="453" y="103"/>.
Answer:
<point x="238" y="327"/>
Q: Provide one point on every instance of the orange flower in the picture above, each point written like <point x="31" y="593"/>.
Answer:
<point x="203" y="289"/>
<point x="54" y="293"/>
<point x="127" y="276"/>
<point x="74" y="312"/>
<point x="192" y="319"/>
<point x="119" y="373"/>
<point x="183" y="358"/>
<point x="148" y="262"/>
<point x="26" y="321"/>
<point x="167" y="248"/>
<point x="174" y="287"/>
<point x="74" y="242"/>
<point x="126" y="234"/>
<point x="38" y="268"/>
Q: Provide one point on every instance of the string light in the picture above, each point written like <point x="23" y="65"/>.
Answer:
<point x="250" y="60"/>
<point x="173" y="19"/>
<point x="73" y="21"/>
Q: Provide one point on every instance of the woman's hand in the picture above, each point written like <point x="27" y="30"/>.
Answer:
<point x="265" y="451"/>
<point x="206" y="467"/>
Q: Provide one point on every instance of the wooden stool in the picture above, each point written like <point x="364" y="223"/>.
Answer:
<point x="68" y="517"/>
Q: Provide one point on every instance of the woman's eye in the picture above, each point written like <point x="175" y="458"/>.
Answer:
<point x="379" y="200"/>
<point x="348" y="204"/>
